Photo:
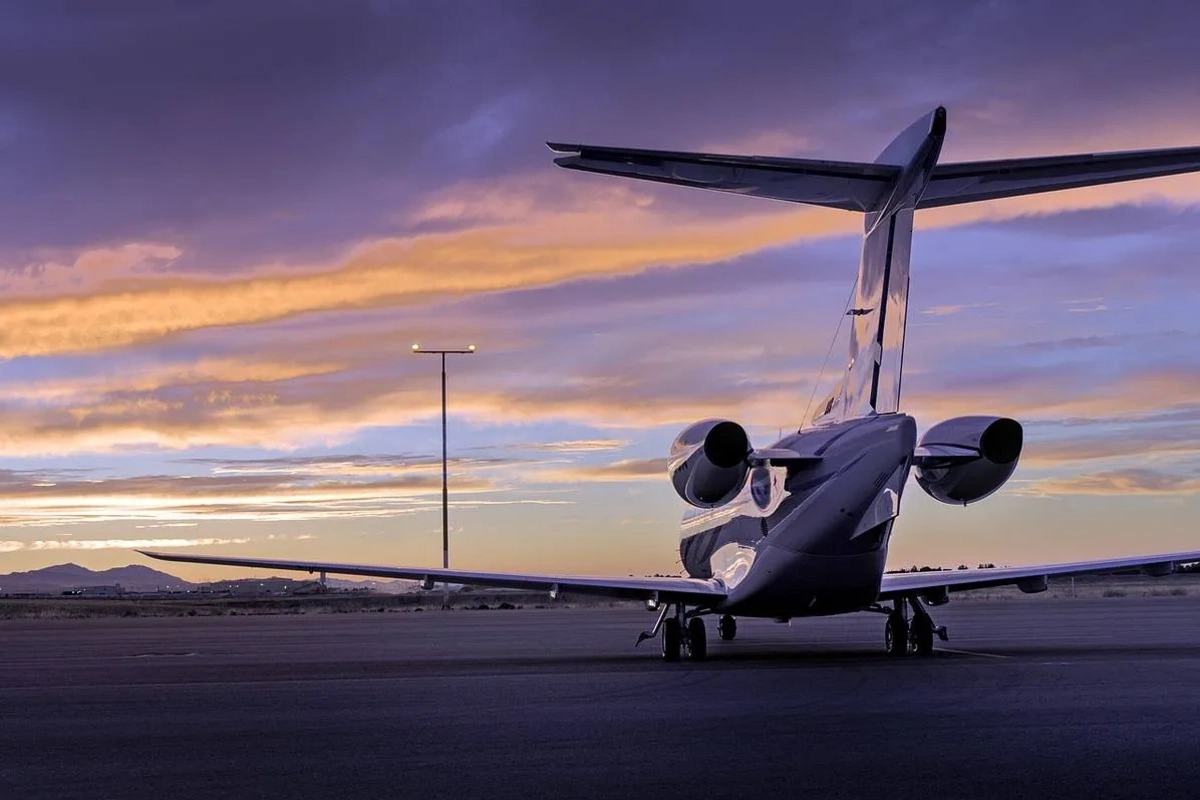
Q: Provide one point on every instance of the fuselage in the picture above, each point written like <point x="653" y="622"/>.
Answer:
<point x="813" y="539"/>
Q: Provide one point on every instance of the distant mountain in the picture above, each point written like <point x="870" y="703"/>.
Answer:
<point x="138" y="578"/>
<point x="134" y="578"/>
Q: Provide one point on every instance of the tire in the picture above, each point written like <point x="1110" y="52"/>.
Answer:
<point x="727" y="628"/>
<point x="895" y="635"/>
<point x="922" y="636"/>
<point x="697" y="639"/>
<point x="671" y="640"/>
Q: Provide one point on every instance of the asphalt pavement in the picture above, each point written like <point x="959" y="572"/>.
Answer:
<point x="1048" y="699"/>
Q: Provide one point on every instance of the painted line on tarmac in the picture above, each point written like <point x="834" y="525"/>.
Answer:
<point x="973" y="653"/>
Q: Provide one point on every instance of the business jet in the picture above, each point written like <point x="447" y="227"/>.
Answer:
<point x="802" y="527"/>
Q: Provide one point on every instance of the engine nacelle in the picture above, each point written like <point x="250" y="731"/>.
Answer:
<point x="708" y="464"/>
<point x="998" y="441"/>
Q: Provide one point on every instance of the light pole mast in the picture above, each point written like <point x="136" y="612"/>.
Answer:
<point x="416" y="348"/>
<point x="445" y="494"/>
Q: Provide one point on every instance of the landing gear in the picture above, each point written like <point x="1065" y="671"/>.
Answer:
<point x="681" y="635"/>
<point x="727" y="627"/>
<point x="901" y="636"/>
<point x="923" y="629"/>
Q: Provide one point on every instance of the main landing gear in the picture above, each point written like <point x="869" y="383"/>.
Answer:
<point x="902" y="635"/>
<point x="683" y="635"/>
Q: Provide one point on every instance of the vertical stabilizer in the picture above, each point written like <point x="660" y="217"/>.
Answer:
<point x="871" y="383"/>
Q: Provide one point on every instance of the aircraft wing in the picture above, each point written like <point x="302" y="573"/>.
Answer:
<point x="836" y="184"/>
<point x="968" y="182"/>
<point x="1035" y="577"/>
<point x="689" y="590"/>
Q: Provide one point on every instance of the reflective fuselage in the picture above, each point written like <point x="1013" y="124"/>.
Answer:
<point x="808" y="540"/>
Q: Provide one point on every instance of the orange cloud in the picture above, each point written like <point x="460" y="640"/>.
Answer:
<point x="1154" y="443"/>
<point x="149" y="379"/>
<point x="1051" y="395"/>
<point x="634" y="469"/>
<point x="40" y="501"/>
<point x="88" y="269"/>
<point x="1118" y="482"/>
<point x="288" y="413"/>
<point x="575" y="446"/>
<point x="126" y="544"/>
<point x="516" y="239"/>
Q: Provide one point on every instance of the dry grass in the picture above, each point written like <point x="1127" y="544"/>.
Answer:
<point x="1117" y="586"/>
<point x="1094" y="586"/>
<point x="356" y="603"/>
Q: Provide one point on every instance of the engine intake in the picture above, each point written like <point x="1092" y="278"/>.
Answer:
<point x="707" y="464"/>
<point x="998" y="440"/>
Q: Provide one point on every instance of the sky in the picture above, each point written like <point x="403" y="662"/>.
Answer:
<point x="224" y="224"/>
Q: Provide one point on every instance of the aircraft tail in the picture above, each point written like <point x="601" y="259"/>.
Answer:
<point x="871" y="383"/>
<point x="906" y="177"/>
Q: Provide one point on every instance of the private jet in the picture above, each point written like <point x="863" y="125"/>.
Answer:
<point x="802" y="527"/>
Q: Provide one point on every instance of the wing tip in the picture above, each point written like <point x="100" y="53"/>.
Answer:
<point x="565" y="149"/>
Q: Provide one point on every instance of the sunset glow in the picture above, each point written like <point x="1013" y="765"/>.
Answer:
<point x="217" y="269"/>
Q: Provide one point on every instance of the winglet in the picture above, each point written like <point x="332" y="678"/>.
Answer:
<point x="559" y="147"/>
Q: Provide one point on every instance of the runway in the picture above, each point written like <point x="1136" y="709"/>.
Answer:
<point x="1045" y="698"/>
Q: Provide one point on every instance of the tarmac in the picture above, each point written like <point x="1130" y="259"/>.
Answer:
<point x="1063" y="698"/>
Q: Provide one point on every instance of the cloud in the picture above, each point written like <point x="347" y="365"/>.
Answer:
<point x="204" y="372"/>
<point x="228" y="252"/>
<point x="620" y="385"/>
<point x="349" y="465"/>
<point x="127" y="544"/>
<point x="282" y="144"/>
<point x="1054" y="393"/>
<point x="88" y="269"/>
<point x="1119" y="482"/>
<point x="39" y="499"/>
<point x="574" y="446"/>
<point x="950" y="310"/>
<point x="1129" y="439"/>
<point x="636" y="469"/>
<point x="544" y="248"/>
<point x="763" y="143"/>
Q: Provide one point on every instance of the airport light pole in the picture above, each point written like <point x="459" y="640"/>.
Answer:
<point x="417" y="349"/>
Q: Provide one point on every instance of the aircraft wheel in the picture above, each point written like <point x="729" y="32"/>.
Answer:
<point x="697" y="639"/>
<point x="895" y="635"/>
<point x="671" y="640"/>
<point x="922" y="636"/>
<point x="727" y="627"/>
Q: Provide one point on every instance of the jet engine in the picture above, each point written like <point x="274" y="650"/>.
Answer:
<point x="708" y="464"/>
<point x="965" y="459"/>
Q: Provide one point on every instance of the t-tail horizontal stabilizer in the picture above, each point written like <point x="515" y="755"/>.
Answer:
<point x="904" y="178"/>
